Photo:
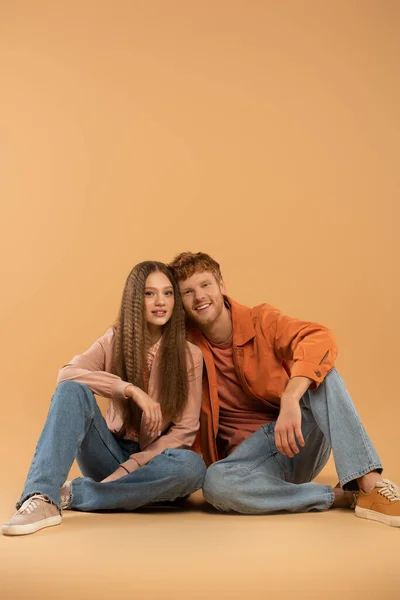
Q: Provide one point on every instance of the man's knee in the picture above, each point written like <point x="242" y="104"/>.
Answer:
<point x="218" y="487"/>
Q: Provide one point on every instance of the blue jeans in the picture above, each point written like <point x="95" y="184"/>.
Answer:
<point x="257" y="479"/>
<point x="75" y="428"/>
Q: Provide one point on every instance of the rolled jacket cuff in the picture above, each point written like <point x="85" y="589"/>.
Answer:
<point x="315" y="372"/>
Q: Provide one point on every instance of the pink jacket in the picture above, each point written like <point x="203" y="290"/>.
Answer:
<point x="93" y="368"/>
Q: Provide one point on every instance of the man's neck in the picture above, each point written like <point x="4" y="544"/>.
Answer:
<point x="220" y="331"/>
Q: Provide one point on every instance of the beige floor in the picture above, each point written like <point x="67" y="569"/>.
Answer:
<point x="196" y="553"/>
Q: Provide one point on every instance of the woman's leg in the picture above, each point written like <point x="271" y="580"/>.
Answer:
<point x="74" y="427"/>
<point x="170" y="475"/>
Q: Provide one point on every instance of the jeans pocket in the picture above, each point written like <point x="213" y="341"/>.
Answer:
<point x="269" y="430"/>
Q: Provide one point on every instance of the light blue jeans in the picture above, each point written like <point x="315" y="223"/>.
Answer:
<point x="257" y="479"/>
<point x="75" y="428"/>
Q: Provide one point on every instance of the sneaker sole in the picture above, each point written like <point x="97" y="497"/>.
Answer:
<point x="373" y="515"/>
<point x="32" y="527"/>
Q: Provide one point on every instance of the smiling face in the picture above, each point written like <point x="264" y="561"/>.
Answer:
<point x="203" y="298"/>
<point x="158" y="300"/>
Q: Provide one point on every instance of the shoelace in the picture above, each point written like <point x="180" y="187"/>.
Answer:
<point x="388" y="489"/>
<point x="31" y="504"/>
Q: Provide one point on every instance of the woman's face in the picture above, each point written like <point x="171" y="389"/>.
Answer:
<point x="158" y="299"/>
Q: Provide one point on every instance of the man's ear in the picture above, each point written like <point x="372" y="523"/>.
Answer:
<point x="222" y="287"/>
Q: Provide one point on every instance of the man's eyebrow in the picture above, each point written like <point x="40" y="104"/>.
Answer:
<point x="189" y="289"/>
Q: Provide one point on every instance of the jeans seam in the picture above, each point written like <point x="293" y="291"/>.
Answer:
<point x="281" y="466"/>
<point x="93" y="423"/>
<point x="331" y="498"/>
<point x="259" y="462"/>
<point x="269" y="430"/>
<point x="359" y="423"/>
<point x="317" y="468"/>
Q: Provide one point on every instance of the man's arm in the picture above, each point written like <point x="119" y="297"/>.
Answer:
<point x="309" y="350"/>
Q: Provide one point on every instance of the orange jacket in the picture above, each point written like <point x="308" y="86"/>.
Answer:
<point x="268" y="348"/>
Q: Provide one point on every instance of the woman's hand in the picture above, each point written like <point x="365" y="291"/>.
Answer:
<point x="118" y="473"/>
<point x="151" y="409"/>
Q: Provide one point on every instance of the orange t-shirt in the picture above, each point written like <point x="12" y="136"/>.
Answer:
<point x="240" y="414"/>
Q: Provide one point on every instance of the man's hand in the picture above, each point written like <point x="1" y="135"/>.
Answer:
<point x="288" y="428"/>
<point x="118" y="473"/>
<point x="288" y="424"/>
<point x="151" y="409"/>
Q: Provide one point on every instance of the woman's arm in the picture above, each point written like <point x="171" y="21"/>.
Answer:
<point x="91" y="368"/>
<point x="182" y="432"/>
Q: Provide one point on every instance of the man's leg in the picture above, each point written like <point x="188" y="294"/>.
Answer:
<point x="257" y="479"/>
<point x="332" y="409"/>
<point x="170" y="475"/>
<point x="356" y="459"/>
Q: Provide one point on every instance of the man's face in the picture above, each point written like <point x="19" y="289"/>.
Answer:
<point x="202" y="298"/>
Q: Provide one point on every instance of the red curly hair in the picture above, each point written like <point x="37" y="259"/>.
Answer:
<point x="187" y="263"/>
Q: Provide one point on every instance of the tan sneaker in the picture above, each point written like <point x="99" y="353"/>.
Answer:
<point x="381" y="504"/>
<point x="34" y="514"/>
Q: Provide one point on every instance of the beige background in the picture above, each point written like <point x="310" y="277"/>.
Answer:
<point x="263" y="132"/>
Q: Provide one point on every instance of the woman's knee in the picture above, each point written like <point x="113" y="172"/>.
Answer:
<point x="73" y="392"/>
<point x="188" y="464"/>
<point x="73" y="389"/>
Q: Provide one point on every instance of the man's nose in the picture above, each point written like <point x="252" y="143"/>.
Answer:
<point x="199" y="295"/>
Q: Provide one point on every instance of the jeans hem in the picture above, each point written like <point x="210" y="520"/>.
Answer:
<point x="326" y="502"/>
<point x="360" y="473"/>
<point x="331" y="497"/>
<point x="71" y="493"/>
<point x="23" y="498"/>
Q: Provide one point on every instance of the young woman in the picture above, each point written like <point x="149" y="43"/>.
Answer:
<point x="140" y="453"/>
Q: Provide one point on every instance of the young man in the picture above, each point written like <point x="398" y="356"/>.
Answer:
<point x="274" y="407"/>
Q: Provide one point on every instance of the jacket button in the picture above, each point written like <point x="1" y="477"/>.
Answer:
<point x="318" y="373"/>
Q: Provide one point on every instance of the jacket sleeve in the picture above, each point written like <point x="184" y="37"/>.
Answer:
<point x="308" y="349"/>
<point x="182" y="432"/>
<point x="89" y="368"/>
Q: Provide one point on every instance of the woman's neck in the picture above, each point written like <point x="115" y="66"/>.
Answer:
<point x="154" y="333"/>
